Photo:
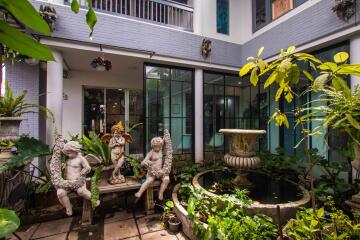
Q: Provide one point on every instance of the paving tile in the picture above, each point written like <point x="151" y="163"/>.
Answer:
<point x="25" y="232"/>
<point x="73" y="236"/>
<point x="159" y="235"/>
<point x="181" y="236"/>
<point x="61" y="236"/>
<point x="117" y="216"/>
<point x="149" y="223"/>
<point x="52" y="228"/>
<point x="120" y="230"/>
<point x="133" y="238"/>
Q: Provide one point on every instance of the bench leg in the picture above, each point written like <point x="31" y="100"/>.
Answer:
<point x="149" y="201"/>
<point x="87" y="213"/>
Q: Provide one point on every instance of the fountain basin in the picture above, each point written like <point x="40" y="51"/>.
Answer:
<point x="266" y="193"/>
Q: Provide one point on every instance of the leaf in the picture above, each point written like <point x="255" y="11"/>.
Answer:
<point x="319" y="82"/>
<point x="246" y="68"/>
<point x="328" y="66"/>
<point x="308" y="75"/>
<point x="95" y="192"/>
<point x="91" y="19"/>
<point x="24" y="44"/>
<point x="340" y="85"/>
<point x="341" y="57"/>
<point x="254" y="78"/>
<point x="9" y="222"/>
<point x="75" y="6"/>
<point x="260" y="51"/>
<point x="271" y="79"/>
<point x="294" y="74"/>
<point x="291" y="49"/>
<point x="289" y="97"/>
<point x="352" y="69"/>
<point x="278" y="93"/>
<point x="24" y="12"/>
<point x="353" y="121"/>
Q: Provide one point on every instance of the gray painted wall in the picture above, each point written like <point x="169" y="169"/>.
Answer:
<point x="311" y="24"/>
<point x="20" y="77"/>
<point x="127" y="33"/>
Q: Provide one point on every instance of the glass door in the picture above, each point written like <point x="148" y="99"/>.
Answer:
<point x="104" y="107"/>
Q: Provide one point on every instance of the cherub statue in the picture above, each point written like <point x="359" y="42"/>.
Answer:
<point x="117" y="146"/>
<point x="76" y="169"/>
<point x="156" y="167"/>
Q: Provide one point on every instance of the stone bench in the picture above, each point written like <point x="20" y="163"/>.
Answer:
<point x="105" y="187"/>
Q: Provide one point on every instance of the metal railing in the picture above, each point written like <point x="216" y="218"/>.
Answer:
<point x="158" y="11"/>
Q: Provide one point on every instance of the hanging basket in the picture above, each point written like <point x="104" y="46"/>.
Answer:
<point x="101" y="64"/>
<point x="344" y="9"/>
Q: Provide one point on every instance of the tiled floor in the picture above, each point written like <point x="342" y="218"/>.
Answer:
<point x="120" y="225"/>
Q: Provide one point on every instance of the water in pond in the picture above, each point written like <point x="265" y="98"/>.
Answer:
<point x="265" y="190"/>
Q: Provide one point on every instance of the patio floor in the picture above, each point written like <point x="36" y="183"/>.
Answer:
<point x="119" y="225"/>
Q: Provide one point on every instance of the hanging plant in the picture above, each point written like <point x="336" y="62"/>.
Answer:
<point x="206" y="48"/>
<point x="101" y="64"/>
<point x="344" y="9"/>
<point x="48" y="13"/>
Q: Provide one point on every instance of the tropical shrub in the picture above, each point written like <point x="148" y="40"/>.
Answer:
<point x="9" y="222"/>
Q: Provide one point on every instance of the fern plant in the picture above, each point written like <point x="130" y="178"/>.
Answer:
<point x="16" y="106"/>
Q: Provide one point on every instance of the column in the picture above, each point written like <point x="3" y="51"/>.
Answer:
<point x="355" y="57"/>
<point x="197" y="16"/>
<point x="54" y="96"/>
<point x="199" y="119"/>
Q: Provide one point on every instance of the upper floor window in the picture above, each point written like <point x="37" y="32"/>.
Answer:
<point x="265" y="11"/>
<point x="222" y="16"/>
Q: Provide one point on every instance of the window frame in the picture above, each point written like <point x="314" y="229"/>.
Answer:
<point x="228" y="18"/>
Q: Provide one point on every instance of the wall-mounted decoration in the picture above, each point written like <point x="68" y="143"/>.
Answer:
<point x="206" y="48"/>
<point x="49" y="15"/>
<point x="344" y="9"/>
<point x="280" y="7"/>
<point x="101" y="64"/>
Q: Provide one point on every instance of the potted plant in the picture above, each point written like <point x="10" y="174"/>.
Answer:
<point x="174" y="224"/>
<point x="9" y="222"/>
<point x="168" y="212"/>
<point x="12" y="109"/>
<point x="101" y="64"/>
<point x="344" y="9"/>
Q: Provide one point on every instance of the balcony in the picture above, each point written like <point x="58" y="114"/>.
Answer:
<point x="162" y="12"/>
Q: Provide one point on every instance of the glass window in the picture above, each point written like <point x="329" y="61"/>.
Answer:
<point x="169" y="105"/>
<point x="94" y="110"/>
<point x="222" y="16"/>
<point x="230" y="102"/>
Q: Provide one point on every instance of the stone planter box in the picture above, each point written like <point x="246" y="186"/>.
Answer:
<point x="9" y="128"/>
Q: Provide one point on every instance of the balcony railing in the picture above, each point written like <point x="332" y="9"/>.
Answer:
<point x="164" y="12"/>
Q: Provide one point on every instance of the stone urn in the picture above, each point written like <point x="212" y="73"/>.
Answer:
<point x="9" y="128"/>
<point x="242" y="156"/>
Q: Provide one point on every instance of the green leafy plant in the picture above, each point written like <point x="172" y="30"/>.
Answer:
<point x="94" y="189"/>
<point x="16" y="106"/>
<point x="27" y="149"/>
<point x="9" y="222"/>
<point x="223" y="219"/>
<point x="7" y="144"/>
<point x="95" y="146"/>
<point x="90" y="15"/>
<point x="327" y="223"/>
<point x="285" y="73"/>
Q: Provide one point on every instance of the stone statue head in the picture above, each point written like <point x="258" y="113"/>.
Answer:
<point x="157" y="143"/>
<point x="72" y="149"/>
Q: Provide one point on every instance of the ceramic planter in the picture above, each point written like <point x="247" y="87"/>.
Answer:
<point x="9" y="128"/>
<point x="174" y="224"/>
<point x="5" y="155"/>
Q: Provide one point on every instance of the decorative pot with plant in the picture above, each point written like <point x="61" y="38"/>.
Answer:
<point x="344" y="9"/>
<point x="101" y="64"/>
<point x="174" y="224"/>
<point x="48" y="13"/>
<point x="168" y="212"/>
<point x="12" y="109"/>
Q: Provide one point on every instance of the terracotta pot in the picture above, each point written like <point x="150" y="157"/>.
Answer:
<point x="9" y="128"/>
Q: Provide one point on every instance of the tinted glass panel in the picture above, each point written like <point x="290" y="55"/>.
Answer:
<point x="222" y="16"/>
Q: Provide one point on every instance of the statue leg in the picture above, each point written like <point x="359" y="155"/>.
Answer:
<point x="145" y="185"/>
<point x="64" y="200"/>
<point x="83" y="192"/>
<point x="114" y="159"/>
<point x="163" y="186"/>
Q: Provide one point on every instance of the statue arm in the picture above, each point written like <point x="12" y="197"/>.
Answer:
<point x="146" y="162"/>
<point x="112" y="143"/>
<point x="86" y="166"/>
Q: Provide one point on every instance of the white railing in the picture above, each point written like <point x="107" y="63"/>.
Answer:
<point x="159" y="11"/>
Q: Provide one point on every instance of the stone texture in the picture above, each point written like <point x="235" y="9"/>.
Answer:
<point x="149" y="223"/>
<point x="61" y="236"/>
<point x="25" y="232"/>
<point x="159" y="235"/>
<point x="53" y="228"/>
<point x="120" y="230"/>
<point x="118" y="216"/>
<point x="181" y="236"/>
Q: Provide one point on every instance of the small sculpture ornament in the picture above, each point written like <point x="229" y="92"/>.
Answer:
<point x="76" y="169"/>
<point x="155" y="166"/>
